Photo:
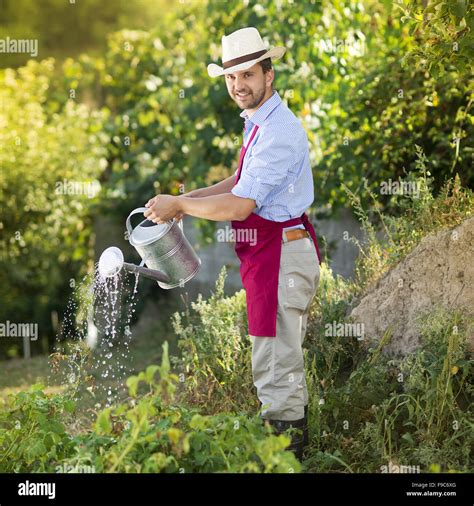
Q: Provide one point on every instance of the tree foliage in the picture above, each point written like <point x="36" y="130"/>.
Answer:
<point x="45" y="239"/>
<point x="444" y="33"/>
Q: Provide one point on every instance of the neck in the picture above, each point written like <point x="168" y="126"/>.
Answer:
<point x="267" y="95"/>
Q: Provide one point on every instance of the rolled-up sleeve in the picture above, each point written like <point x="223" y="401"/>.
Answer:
<point x="271" y="158"/>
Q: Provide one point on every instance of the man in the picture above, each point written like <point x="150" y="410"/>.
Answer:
<point x="267" y="196"/>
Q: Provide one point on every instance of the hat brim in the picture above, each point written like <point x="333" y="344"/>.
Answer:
<point x="215" y="70"/>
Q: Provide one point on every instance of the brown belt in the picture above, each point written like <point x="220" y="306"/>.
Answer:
<point x="292" y="235"/>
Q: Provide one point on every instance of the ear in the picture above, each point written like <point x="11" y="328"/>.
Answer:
<point x="269" y="77"/>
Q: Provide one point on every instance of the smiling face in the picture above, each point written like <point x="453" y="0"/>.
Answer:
<point x="249" y="88"/>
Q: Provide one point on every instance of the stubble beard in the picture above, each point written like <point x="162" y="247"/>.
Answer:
<point x="258" y="97"/>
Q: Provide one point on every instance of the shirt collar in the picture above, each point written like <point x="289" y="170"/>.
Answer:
<point x="261" y="114"/>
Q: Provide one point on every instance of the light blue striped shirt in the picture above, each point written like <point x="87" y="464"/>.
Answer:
<point x="276" y="172"/>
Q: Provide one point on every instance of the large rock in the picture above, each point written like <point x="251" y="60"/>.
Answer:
<point x="439" y="271"/>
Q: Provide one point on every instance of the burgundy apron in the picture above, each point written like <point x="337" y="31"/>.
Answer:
<point x="260" y="261"/>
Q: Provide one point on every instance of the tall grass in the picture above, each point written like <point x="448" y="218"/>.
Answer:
<point x="215" y="359"/>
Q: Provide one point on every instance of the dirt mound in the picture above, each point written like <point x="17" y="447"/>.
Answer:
<point x="438" y="272"/>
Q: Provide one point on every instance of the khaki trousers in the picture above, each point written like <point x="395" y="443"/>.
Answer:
<point x="277" y="362"/>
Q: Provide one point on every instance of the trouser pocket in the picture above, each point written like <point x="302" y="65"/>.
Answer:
<point x="300" y="278"/>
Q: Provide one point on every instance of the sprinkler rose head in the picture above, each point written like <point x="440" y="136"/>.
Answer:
<point x="111" y="262"/>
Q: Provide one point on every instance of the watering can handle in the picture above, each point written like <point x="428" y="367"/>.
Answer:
<point x="142" y="210"/>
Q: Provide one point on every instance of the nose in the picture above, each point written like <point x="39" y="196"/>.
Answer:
<point x="238" y="83"/>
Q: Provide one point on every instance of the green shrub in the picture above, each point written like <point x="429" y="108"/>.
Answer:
<point x="389" y="239"/>
<point x="215" y="358"/>
<point x="444" y="35"/>
<point x="151" y="433"/>
<point x="50" y="166"/>
<point x="414" y="411"/>
<point x="173" y="128"/>
<point x="33" y="434"/>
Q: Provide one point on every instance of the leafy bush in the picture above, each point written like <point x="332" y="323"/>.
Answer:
<point x="390" y="238"/>
<point x="148" y="433"/>
<point x="152" y="434"/>
<point x="444" y="33"/>
<point x="46" y="238"/>
<point x="215" y="359"/>
<point x="33" y="435"/>
<point x="388" y="112"/>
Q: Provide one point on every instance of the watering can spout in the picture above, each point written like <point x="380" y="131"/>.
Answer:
<point x="111" y="263"/>
<point x="144" y="271"/>
<point x="163" y="247"/>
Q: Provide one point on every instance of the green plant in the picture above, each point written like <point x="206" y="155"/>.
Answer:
<point x="33" y="434"/>
<point x="444" y="33"/>
<point x="390" y="238"/>
<point x="415" y="411"/>
<point x="215" y="359"/>
<point x="49" y="181"/>
<point x="151" y="433"/>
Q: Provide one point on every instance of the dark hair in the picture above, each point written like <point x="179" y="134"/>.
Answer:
<point x="266" y="64"/>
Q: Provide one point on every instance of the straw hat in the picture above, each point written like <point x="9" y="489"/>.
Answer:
<point x="241" y="50"/>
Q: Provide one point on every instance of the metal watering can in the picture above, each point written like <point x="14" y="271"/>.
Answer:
<point x="169" y="258"/>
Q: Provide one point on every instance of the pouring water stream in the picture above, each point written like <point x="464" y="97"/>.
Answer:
<point x="105" y="327"/>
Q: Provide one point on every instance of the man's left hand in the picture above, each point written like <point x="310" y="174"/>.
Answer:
<point x="162" y="208"/>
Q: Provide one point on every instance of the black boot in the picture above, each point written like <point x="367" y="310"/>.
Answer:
<point x="296" y="445"/>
